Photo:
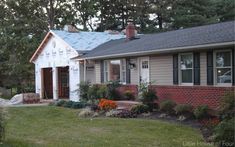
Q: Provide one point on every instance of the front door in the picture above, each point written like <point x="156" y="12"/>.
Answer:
<point x="63" y="79"/>
<point x="47" y="83"/>
<point x="144" y="70"/>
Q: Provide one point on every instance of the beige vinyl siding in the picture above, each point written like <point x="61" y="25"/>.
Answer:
<point x="97" y="72"/>
<point x="81" y="72"/>
<point x="134" y="77"/>
<point x="90" y="72"/>
<point x="161" y="69"/>
<point x="134" y="73"/>
<point x="203" y="68"/>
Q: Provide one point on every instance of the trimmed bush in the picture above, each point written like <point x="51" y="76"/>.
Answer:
<point x="138" y="109"/>
<point x="201" y="112"/>
<point x="68" y="104"/>
<point x="224" y="133"/>
<point x="184" y="109"/>
<point x="83" y="90"/>
<point x="60" y="103"/>
<point x="227" y="106"/>
<point x="78" y="105"/>
<point x="167" y="106"/>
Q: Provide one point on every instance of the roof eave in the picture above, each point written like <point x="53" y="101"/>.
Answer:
<point x="39" y="49"/>
<point x="176" y="49"/>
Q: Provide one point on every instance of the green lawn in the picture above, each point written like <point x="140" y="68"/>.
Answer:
<point x="61" y="127"/>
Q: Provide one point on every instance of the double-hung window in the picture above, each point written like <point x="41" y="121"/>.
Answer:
<point x="115" y="70"/>
<point x="223" y="67"/>
<point x="186" y="68"/>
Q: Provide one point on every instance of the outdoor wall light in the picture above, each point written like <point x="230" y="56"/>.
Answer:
<point x="132" y="65"/>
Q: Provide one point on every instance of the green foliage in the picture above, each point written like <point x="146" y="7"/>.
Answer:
<point x="227" y="105"/>
<point x="2" y="124"/>
<point x="201" y="112"/>
<point x="60" y="103"/>
<point x="102" y="91"/>
<point x="225" y="9"/>
<point x="143" y="87"/>
<point x="68" y="104"/>
<point x="83" y="90"/>
<point x="149" y="96"/>
<point x="138" y="109"/>
<point x="168" y="106"/>
<point x="224" y="133"/>
<point x="112" y="90"/>
<point x="78" y="105"/>
<point x="193" y="13"/>
<point x="93" y="93"/>
<point x="184" y="109"/>
<point x="129" y="95"/>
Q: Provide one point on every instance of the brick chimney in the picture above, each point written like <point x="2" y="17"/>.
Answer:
<point x="130" y="31"/>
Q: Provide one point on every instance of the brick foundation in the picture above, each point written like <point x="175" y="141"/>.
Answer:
<point x="194" y="95"/>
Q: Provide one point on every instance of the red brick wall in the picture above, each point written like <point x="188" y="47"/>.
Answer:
<point x="194" y="95"/>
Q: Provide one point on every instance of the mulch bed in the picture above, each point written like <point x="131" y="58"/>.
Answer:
<point x="206" y="132"/>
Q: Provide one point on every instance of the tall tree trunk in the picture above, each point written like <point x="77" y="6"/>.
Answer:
<point x="160" y="21"/>
<point x="51" y="14"/>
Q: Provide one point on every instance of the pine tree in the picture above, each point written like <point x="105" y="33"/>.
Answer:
<point x="189" y="13"/>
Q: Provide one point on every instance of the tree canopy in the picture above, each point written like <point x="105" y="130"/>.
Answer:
<point x="24" y="23"/>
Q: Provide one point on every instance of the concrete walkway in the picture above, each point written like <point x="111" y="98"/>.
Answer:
<point x="29" y="105"/>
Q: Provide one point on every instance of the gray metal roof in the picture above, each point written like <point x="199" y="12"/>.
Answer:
<point x="202" y="35"/>
<point x="85" y="41"/>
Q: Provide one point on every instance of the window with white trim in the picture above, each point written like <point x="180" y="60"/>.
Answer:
<point x="186" y="68"/>
<point x="123" y="71"/>
<point x="106" y="74"/>
<point x="115" y="70"/>
<point x="223" y="66"/>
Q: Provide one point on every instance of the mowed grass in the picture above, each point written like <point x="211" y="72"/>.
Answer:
<point x="61" y="127"/>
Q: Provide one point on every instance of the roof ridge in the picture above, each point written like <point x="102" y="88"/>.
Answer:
<point x="202" y="26"/>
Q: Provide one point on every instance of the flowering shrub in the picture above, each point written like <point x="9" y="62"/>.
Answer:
<point x="105" y="104"/>
<point x="210" y="123"/>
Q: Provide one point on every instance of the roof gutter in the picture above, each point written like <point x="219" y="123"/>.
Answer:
<point x="205" y="46"/>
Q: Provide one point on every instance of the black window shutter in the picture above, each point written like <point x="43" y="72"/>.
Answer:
<point x="128" y="72"/>
<point x="196" y="66"/>
<point x="102" y="71"/>
<point x="233" y="66"/>
<point x="175" y="69"/>
<point x="210" y="71"/>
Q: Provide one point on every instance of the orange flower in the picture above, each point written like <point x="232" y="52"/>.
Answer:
<point x="106" y="105"/>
